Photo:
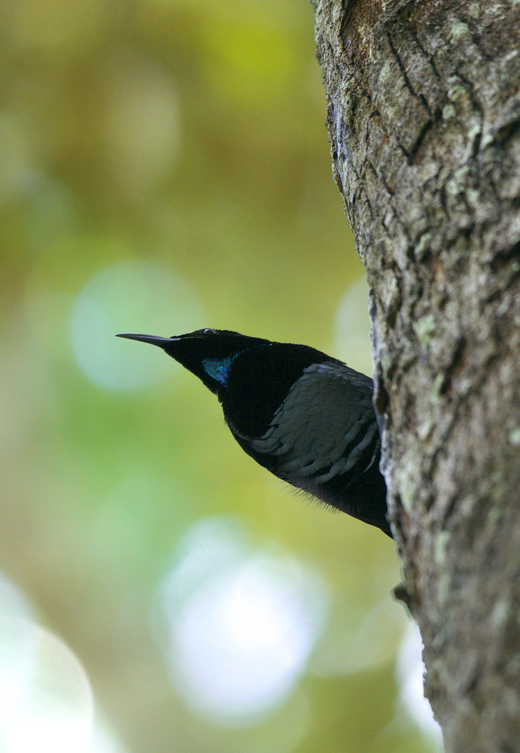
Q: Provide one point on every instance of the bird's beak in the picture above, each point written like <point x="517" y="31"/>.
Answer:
<point x="159" y="341"/>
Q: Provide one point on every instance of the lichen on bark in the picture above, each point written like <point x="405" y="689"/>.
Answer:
<point x="424" y="126"/>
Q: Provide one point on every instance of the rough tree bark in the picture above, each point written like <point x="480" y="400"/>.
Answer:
<point x="424" y="124"/>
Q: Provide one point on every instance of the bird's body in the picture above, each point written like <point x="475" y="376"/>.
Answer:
<point x="305" y="416"/>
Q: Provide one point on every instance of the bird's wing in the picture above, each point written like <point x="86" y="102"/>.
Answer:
<point x="323" y="426"/>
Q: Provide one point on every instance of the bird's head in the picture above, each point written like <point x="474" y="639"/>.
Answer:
<point x="250" y="376"/>
<point x="207" y="353"/>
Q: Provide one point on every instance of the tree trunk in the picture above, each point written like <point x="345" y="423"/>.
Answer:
<point x="424" y="124"/>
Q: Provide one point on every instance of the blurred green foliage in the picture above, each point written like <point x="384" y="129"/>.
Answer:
<point x="189" y="135"/>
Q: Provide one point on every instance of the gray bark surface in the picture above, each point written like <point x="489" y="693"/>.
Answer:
<point x="424" y="125"/>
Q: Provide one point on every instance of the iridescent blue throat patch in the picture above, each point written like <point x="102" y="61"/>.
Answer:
<point x="218" y="368"/>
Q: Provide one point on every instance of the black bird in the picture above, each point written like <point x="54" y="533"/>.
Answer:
<point x="306" y="417"/>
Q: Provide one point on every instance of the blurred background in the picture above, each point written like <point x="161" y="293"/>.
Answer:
<point x="164" y="167"/>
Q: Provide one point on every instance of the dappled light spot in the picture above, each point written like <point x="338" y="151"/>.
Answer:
<point x="372" y="643"/>
<point x="241" y="623"/>
<point x="103" y="740"/>
<point x="133" y="296"/>
<point x="352" y="328"/>
<point x="410" y="671"/>
<point x="46" y="701"/>
<point x="45" y="697"/>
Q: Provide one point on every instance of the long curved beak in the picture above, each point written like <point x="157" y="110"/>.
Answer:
<point x="159" y="341"/>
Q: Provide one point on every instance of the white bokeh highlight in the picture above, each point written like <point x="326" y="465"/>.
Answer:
<point x="371" y="643"/>
<point x="410" y="673"/>
<point x="132" y="296"/>
<point x="352" y="328"/>
<point x="241" y="623"/>
<point x="50" y="708"/>
<point x="46" y="701"/>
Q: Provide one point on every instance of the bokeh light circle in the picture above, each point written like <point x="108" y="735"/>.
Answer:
<point x="410" y="673"/>
<point x="132" y="296"/>
<point x="46" y="702"/>
<point x="352" y="328"/>
<point x="241" y="625"/>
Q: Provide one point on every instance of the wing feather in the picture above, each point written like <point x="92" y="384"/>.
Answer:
<point x="323" y="426"/>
